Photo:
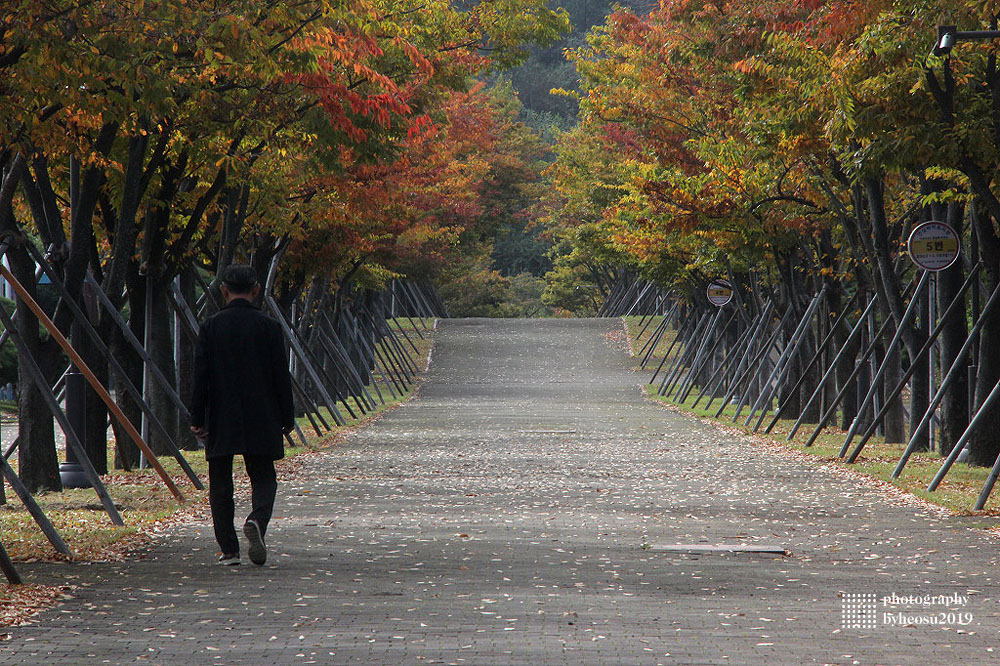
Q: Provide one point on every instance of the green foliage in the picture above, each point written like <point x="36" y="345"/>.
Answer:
<point x="471" y="288"/>
<point x="524" y="297"/>
<point x="570" y="289"/>
<point x="519" y="249"/>
<point x="547" y="69"/>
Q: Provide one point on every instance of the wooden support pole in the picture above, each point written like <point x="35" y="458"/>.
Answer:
<point x="91" y="379"/>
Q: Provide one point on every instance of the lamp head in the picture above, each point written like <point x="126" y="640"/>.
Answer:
<point x="946" y="39"/>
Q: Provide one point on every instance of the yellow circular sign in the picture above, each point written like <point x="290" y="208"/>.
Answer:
<point x="934" y="246"/>
<point x="719" y="292"/>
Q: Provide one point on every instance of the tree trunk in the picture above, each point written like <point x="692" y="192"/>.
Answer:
<point x="955" y="405"/>
<point x="984" y="445"/>
<point x="161" y="349"/>
<point x="893" y="424"/>
<point x="185" y="367"/>
<point x="95" y="437"/>
<point x="38" y="463"/>
<point x="127" y="453"/>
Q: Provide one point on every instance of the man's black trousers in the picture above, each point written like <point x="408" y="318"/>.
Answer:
<point x="264" y="483"/>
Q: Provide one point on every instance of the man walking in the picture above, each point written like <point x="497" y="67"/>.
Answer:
<point x="242" y="404"/>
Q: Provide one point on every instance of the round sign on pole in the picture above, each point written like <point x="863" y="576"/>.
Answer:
<point x="933" y="246"/>
<point x="719" y="292"/>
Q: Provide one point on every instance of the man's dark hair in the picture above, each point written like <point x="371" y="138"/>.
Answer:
<point x="239" y="278"/>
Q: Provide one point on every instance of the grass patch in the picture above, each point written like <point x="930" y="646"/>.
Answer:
<point x="640" y="335"/>
<point x="957" y="493"/>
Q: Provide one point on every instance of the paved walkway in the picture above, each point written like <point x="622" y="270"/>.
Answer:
<point x="516" y="513"/>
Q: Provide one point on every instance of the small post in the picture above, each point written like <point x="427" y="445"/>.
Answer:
<point x="71" y="472"/>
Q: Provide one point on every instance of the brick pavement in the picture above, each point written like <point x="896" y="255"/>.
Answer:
<point x="512" y="514"/>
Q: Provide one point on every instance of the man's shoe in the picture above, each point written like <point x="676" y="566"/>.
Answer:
<point x="258" y="551"/>
<point x="229" y="560"/>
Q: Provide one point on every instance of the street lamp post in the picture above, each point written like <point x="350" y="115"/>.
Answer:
<point x="948" y="35"/>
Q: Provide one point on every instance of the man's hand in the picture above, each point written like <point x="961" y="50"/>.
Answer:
<point x="200" y="432"/>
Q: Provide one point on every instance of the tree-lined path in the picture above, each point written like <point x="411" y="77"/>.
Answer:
<point x="516" y="512"/>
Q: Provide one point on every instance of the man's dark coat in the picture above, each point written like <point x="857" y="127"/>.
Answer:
<point x="242" y="389"/>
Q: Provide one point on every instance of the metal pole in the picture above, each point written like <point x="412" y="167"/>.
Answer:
<point x="29" y="364"/>
<point x="680" y="332"/>
<point x="293" y="340"/>
<point x="855" y="332"/>
<point x="816" y="358"/>
<point x="654" y="339"/>
<point x="707" y="335"/>
<point x="638" y="299"/>
<point x="777" y="374"/>
<point x="332" y="335"/>
<point x="707" y="357"/>
<point x="988" y="486"/>
<point x="83" y="322"/>
<point x="911" y="310"/>
<point x="147" y="339"/>
<point x="682" y="356"/>
<point x="7" y="566"/>
<point x="729" y="378"/>
<point x="963" y="440"/>
<point x="932" y="296"/>
<point x="388" y="378"/>
<point x="953" y="372"/>
<point x="750" y="374"/>
<point x="32" y="506"/>
<point x="165" y="384"/>
<point x="688" y="350"/>
<point x="711" y="386"/>
<point x="648" y="322"/>
<point x="956" y="303"/>
<point x="847" y="385"/>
